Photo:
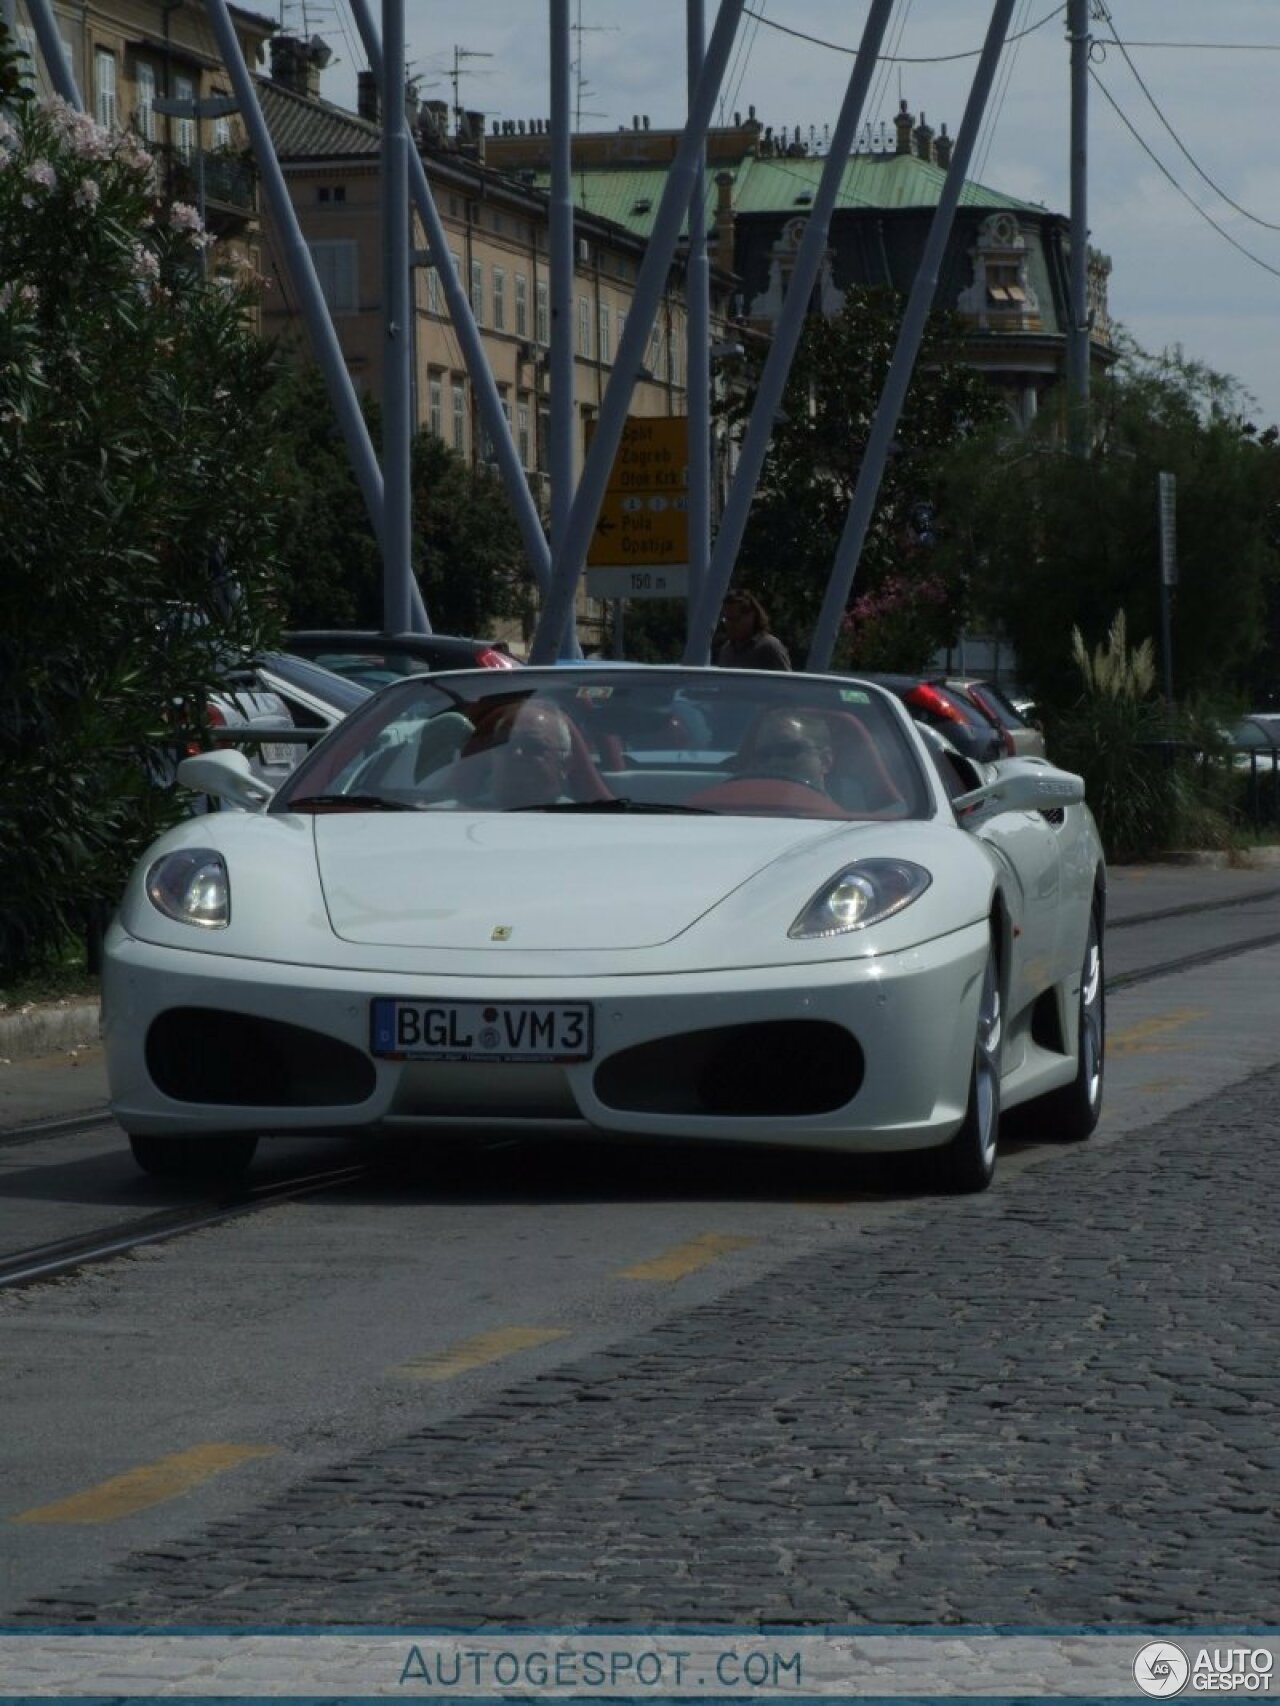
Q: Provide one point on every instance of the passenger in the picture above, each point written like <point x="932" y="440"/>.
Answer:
<point x="748" y="643"/>
<point x="795" y="746"/>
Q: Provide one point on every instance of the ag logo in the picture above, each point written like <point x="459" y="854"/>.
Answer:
<point x="1161" y="1669"/>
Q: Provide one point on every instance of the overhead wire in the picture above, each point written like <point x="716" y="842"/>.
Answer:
<point x="894" y="58"/>
<point x="1165" y="172"/>
<point x="1217" y="188"/>
<point x="991" y="120"/>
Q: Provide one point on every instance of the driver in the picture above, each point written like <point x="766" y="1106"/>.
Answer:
<point x="531" y="765"/>
<point x="794" y="745"/>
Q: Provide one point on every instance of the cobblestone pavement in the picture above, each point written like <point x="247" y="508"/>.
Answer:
<point x="1054" y="1404"/>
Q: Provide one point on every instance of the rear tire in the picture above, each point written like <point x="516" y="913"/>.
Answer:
<point x="206" y="1159"/>
<point x="1070" y="1114"/>
<point x="968" y="1163"/>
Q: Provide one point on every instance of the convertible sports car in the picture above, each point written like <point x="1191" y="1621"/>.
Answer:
<point x="703" y="904"/>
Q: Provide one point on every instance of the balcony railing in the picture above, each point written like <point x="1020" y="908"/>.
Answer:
<point x="230" y="181"/>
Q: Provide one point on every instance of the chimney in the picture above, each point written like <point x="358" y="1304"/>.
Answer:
<point x="942" y="147"/>
<point x="723" y="243"/>
<point x="296" y="65"/>
<point x="366" y="95"/>
<point x="471" y="134"/>
<point x="923" y="134"/>
<point x="902" y="124"/>
<point x="435" y="121"/>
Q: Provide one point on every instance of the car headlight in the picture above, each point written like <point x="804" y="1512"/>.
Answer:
<point x="861" y="894"/>
<point x="192" y="887"/>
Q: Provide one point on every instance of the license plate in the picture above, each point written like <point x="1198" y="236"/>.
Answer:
<point x="273" y="752"/>
<point x="481" y="1030"/>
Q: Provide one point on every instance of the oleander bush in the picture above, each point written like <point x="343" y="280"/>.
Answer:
<point x="135" y="490"/>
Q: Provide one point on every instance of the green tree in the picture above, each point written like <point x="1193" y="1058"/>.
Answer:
<point x="468" y="553"/>
<point x="809" y="475"/>
<point x="135" y="485"/>
<point x="1050" y="541"/>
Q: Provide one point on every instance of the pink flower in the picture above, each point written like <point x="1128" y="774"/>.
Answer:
<point x="184" y="217"/>
<point x="87" y="194"/>
<point x="42" y="174"/>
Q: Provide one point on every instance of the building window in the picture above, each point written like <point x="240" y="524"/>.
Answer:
<point x="504" y="397"/>
<point x="622" y="326"/>
<point x="653" y="361"/>
<point x="435" y="294"/>
<point x="523" y="445"/>
<point x="477" y="290"/>
<point x="145" y="117"/>
<point x="460" y="417"/>
<point x="604" y="349"/>
<point x="104" y="78"/>
<point x="435" y="404"/>
<point x="222" y="139"/>
<point x="499" y="299"/>
<point x="336" y="268"/>
<point x="323" y="192"/>
<point x="522" y="306"/>
<point x="457" y="264"/>
<point x="542" y="330"/>
<point x="185" y="139"/>
<point x="584" y="327"/>
<point x="673" y="358"/>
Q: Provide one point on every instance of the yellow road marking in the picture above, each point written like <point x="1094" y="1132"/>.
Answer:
<point x="1140" y="1038"/>
<point x="150" y="1484"/>
<point x="685" y="1259"/>
<point x="475" y="1353"/>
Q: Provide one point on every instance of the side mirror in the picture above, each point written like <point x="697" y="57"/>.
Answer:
<point x="227" y="776"/>
<point x="1020" y="785"/>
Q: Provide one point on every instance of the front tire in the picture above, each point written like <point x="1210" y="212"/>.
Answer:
<point x="968" y="1163"/>
<point x="203" y="1160"/>
<point x="1070" y="1114"/>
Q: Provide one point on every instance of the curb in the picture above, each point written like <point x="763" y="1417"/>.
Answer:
<point x="57" y="1028"/>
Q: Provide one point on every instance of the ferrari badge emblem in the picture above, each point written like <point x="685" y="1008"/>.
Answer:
<point x="501" y="933"/>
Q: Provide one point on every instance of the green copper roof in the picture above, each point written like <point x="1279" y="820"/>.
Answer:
<point x="630" y="195"/>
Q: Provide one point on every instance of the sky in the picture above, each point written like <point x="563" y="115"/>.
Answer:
<point x="1214" y="77"/>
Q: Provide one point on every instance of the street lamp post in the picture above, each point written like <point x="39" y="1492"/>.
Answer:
<point x="211" y="106"/>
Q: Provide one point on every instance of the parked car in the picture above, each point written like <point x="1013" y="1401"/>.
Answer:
<point x="456" y="918"/>
<point x="374" y="659"/>
<point x="273" y="692"/>
<point x="930" y="700"/>
<point x="1022" y="738"/>
<point x="1255" y="741"/>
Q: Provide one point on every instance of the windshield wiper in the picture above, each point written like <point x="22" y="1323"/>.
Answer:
<point x="349" y="803"/>
<point x="620" y="804"/>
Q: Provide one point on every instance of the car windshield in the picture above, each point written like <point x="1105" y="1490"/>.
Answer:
<point x="603" y="739"/>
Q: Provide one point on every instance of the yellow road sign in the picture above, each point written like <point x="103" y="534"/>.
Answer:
<point x="643" y="520"/>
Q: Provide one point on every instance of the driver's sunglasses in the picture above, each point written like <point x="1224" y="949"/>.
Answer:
<point x="796" y="748"/>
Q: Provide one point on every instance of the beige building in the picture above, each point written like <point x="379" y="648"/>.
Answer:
<point x="498" y="235"/>
<point x="127" y="54"/>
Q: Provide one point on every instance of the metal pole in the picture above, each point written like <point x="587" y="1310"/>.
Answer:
<point x="301" y="270"/>
<point x="786" y="336"/>
<point x="672" y="209"/>
<point x="698" y="383"/>
<point x="56" y="63"/>
<point x="1078" y="431"/>
<point x="483" y="386"/>
<point x="563" y="404"/>
<point x="919" y="302"/>
<point x="397" y="428"/>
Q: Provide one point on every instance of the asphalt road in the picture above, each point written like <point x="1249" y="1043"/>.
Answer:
<point x="628" y="1385"/>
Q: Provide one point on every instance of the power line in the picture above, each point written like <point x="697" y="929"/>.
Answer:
<point x="1217" y="189"/>
<point x="1165" y="172"/>
<point x="902" y="59"/>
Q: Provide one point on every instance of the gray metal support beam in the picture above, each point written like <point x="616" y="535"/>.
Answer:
<point x="786" y="336"/>
<point x="1078" y="433"/>
<point x="301" y="269"/>
<point x="698" y="383"/>
<point x="397" y="426"/>
<point x="483" y="386"/>
<point x="570" y="551"/>
<point x="919" y="302"/>
<point x="564" y="411"/>
<point x="60" y="73"/>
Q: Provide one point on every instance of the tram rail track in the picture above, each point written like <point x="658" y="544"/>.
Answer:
<point x="59" y="1257"/>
